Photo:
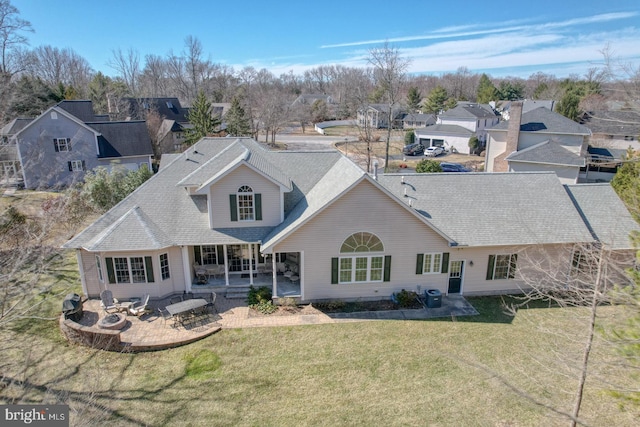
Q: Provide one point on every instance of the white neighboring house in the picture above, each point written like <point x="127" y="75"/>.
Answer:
<point x="452" y="138"/>
<point x="539" y="140"/>
<point x="475" y="117"/>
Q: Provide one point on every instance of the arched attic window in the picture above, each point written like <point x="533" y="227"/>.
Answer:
<point x="245" y="205"/>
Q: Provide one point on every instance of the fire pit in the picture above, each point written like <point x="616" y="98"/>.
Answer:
<point x="112" y="321"/>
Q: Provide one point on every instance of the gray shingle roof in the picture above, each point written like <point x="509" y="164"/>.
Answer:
<point x="15" y="126"/>
<point x="618" y="123"/>
<point x="468" y="110"/>
<point x="441" y="129"/>
<point x="82" y="109"/>
<point x="547" y="152"/>
<point x="605" y="214"/>
<point x="482" y="209"/>
<point x="544" y="120"/>
<point x="168" y="108"/>
<point x="184" y="218"/>
<point x="119" y="139"/>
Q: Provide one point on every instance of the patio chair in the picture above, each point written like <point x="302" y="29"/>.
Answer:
<point x="166" y="316"/>
<point x="211" y="302"/>
<point x="139" y="307"/>
<point x="108" y="302"/>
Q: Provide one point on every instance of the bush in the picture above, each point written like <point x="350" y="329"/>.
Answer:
<point x="264" y="307"/>
<point x="405" y="298"/>
<point x="428" y="165"/>
<point x="409" y="137"/>
<point x="256" y="296"/>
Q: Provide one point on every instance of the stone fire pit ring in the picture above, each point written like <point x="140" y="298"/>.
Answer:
<point x="113" y="321"/>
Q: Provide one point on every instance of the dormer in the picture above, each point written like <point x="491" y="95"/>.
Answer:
<point x="242" y="188"/>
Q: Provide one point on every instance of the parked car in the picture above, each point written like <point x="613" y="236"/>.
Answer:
<point x="434" y="151"/>
<point x="416" y="149"/>
<point x="453" y="167"/>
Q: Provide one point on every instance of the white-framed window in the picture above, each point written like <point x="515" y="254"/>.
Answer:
<point x="245" y="204"/>
<point x="164" y="266"/>
<point x="62" y="144"/>
<point x="137" y="269"/>
<point x="76" y="165"/>
<point x="502" y="267"/>
<point x="367" y="264"/>
<point x="432" y="263"/>
<point x="99" y="268"/>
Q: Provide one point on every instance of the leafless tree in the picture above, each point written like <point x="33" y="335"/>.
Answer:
<point x="580" y="276"/>
<point x="390" y="75"/>
<point x="153" y="81"/>
<point x="12" y="29"/>
<point x="55" y="66"/>
<point x="127" y="64"/>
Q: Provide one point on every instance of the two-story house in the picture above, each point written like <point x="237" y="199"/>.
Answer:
<point x="56" y="148"/>
<point x="457" y="125"/>
<point x="315" y="226"/>
<point x="538" y="140"/>
<point x="376" y="116"/>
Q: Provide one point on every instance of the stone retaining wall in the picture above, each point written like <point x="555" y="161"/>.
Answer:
<point x="104" y="339"/>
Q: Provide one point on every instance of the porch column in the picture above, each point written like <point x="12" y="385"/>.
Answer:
<point x="186" y="267"/>
<point x="226" y="265"/>
<point x="251" y="263"/>
<point x="82" y="272"/>
<point x="274" y="274"/>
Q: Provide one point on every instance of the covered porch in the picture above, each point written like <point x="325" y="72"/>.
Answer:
<point x="219" y="267"/>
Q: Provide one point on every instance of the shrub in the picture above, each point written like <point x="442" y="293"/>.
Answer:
<point x="428" y="165"/>
<point x="405" y="298"/>
<point x="264" y="307"/>
<point x="258" y="295"/>
<point x="409" y="137"/>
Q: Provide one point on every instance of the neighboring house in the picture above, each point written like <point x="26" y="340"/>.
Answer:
<point x="175" y="122"/>
<point x="539" y="140"/>
<point x="613" y="129"/>
<point x="56" y="148"/>
<point x="413" y="121"/>
<point x="504" y="107"/>
<point x="376" y="116"/>
<point x="475" y="117"/>
<point x="10" y="170"/>
<point x="452" y="138"/>
<point x="315" y="226"/>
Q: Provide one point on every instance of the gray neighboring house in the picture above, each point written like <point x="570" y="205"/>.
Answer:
<point x="56" y="148"/>
<point x="472" y="116"/>
<point x="613" y="129"/>
<point x="538" y="140"/>
<point x="504" y="107"/>
<point x="314" y="226"/>
<point x="415" y="120"/>
<point x="376" y="116"/>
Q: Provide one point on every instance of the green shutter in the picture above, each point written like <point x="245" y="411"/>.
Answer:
<point x="148" y="265"/>
<point x="70" y="167"/>
<point x="387" y="268"/>
<point x="512" y="267"/>
<point x="233" y="204"/>
<point x="110" y="273"/>
<point x="334" y="271"/>
<point x="492" y="263"/>
<point x="196" y="253"/>
<point x="419" y="263"/>
<point x="258" y="201"/>
<point x="445" y="263"/>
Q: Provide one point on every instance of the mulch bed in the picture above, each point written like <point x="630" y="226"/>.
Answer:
<point x="336" y="307"/>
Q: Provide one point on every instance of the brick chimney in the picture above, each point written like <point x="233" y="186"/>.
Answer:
<point x="513" y="134"/>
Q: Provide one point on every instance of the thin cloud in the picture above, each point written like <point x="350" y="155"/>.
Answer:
<point x="452" y="33"/>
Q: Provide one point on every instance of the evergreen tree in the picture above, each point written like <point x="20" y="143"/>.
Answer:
<point x="428" y="166"/>
<point x="31" y="97"/>
<point x="202" y="120"/>
<point x="436" y="100"/>
<point x="511" y="91"/>
<point x="413" y="99"/>
<point x="238" y="123"/>
<point x="486" y="90"/>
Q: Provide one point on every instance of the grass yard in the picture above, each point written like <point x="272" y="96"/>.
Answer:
<point x="447" y="373"/>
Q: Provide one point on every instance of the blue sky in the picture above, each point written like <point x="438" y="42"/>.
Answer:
<point x="507" y="38"/>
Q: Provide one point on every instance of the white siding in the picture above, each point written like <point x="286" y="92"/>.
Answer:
<point x="243" y="175"/>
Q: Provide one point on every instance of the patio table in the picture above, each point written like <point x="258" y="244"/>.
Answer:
<point x="185" y="306"/>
